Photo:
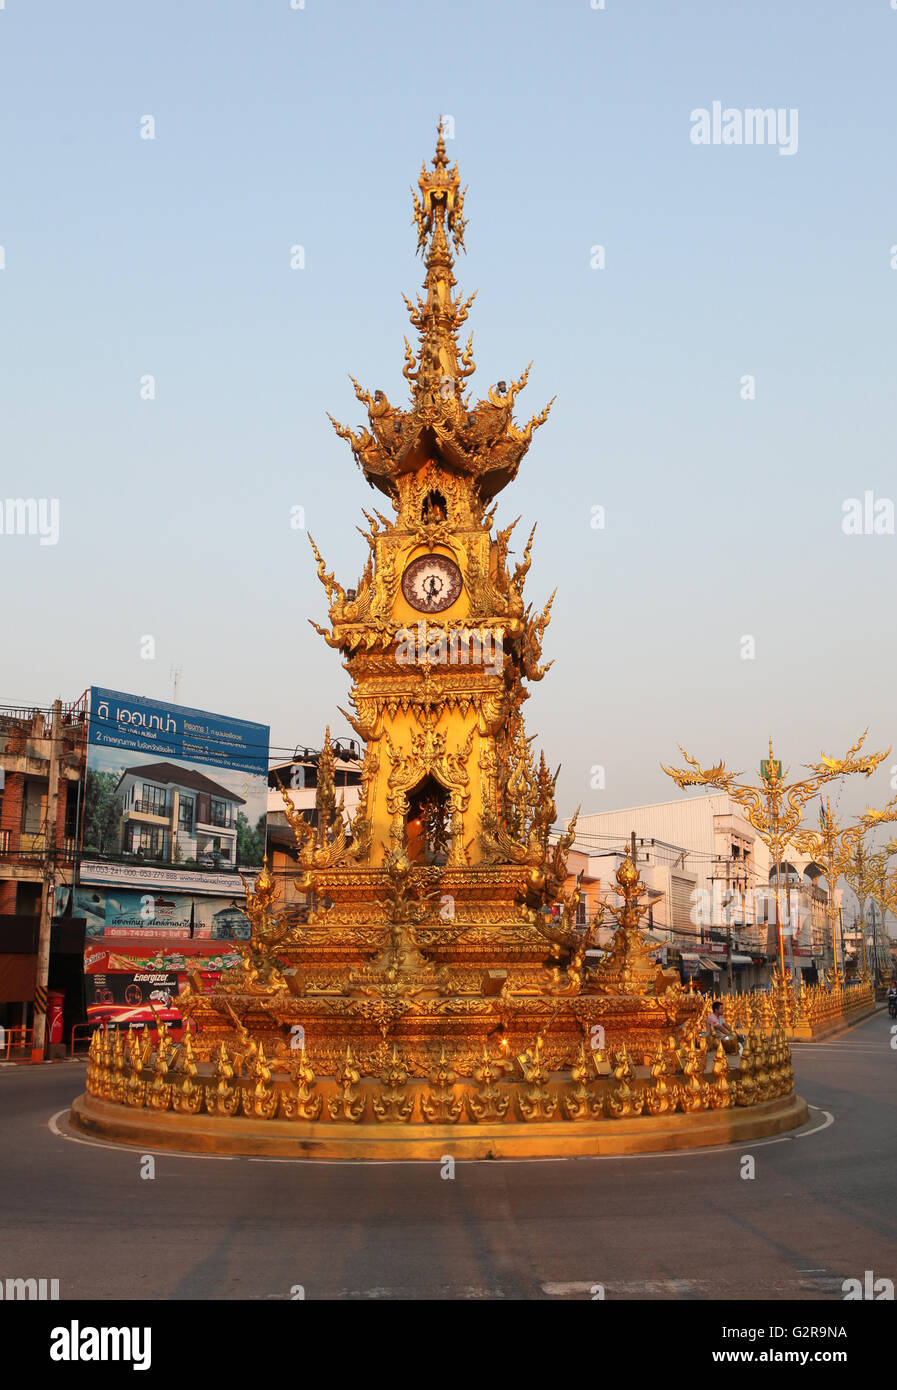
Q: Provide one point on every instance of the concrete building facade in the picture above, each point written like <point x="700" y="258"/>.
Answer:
<point x="41" y="788"/>
<point x="718" y="887"/>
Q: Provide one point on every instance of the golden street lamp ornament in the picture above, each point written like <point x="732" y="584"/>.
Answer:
<point x="836" y="847"/>
<point x="882" y="891"/>
<point x="775" y="807"/>
<point x="857" y="874"/>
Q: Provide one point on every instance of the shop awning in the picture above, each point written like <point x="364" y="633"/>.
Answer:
<point x="708" y="964"/>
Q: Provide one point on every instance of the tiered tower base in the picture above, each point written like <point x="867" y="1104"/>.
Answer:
<point x="493" y="1140"/>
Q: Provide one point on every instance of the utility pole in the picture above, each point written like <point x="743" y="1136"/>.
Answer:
<point x="38" y="1040"/>
<point x="728" y="934"/>
<point x="863" y="940"/>
<point x="841" y="937"/>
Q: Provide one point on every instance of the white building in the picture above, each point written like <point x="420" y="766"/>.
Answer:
<point x="718" y="885"/>
<point x="299" y="779"/>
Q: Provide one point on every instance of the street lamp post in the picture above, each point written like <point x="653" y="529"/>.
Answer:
<point x="860" y="872"/>
<point x="775" y="807"/>
<point x="838" y="849"/>
<point x="883" y="892"/>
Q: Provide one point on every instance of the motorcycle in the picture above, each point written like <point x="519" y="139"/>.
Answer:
<point x="892" y="1005"/>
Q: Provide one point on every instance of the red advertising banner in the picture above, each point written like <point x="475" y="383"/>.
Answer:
<point x="137" y="988"/>
<point x="128" y="957"/>
<point x="141" y="997"/>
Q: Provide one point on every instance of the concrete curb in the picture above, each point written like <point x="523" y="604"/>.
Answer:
<point x="837" y="1026"/>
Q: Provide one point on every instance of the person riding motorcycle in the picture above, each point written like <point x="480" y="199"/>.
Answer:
<point x="892" y="999"/>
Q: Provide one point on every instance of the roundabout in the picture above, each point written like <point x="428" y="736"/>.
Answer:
<point x="681" y="1224"/>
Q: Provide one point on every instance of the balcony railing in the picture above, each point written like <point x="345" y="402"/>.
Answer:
<point x="150" y="808"/>
<point x="27" y="853"/>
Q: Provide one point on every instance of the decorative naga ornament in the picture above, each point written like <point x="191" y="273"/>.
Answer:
<point x="442" y="992"/>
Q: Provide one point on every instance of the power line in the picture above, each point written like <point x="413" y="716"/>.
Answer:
<point x="223" y="744"/>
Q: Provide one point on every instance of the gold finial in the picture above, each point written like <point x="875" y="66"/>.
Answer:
<point x="440" y="158"/>
<point x="325" y="795"/>
<point x="440" y="206"/>
<point x="260" y="896"/>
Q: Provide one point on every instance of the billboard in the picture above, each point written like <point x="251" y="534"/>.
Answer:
<point x="152" y="913"/>
<point x="136" y="984"/>
<point x="141" y="998"/>
<point x="174" y="800"/>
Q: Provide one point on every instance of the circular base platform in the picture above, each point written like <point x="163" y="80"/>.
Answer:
<point x="308" y="1139"/>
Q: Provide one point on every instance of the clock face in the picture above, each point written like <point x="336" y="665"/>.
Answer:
<point x="431" y="583"/>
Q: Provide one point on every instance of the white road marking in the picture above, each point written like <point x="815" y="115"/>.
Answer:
<point x="631" y="1287"/>
<point x="126" y="1148"/>
<point x="829" y="1120"/>
<point x="440" y="1291"/>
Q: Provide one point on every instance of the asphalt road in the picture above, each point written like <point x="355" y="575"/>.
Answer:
<point x="819" y="1209"/>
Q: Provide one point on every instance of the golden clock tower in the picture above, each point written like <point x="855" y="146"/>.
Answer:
<point x="437" y="1000"/>
<point x="436" y="636"/>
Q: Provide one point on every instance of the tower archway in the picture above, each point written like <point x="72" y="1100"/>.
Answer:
<point x="428" y="822"/>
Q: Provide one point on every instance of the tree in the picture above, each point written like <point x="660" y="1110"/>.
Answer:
<point x="250" y="843"/>
<point x="102" y="812"/>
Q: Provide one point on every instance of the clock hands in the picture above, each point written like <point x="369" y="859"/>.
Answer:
<point x="433" y="589"/>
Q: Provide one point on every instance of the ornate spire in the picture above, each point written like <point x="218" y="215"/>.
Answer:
<point x="438" y="216"/>
<point x="325" y="795"/>
<point x="442" y="425"/>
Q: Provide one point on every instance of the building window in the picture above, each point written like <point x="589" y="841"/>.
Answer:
<point x="33" y="809"/>
<point x="185" y="814"/>
<point x="581" y="911"/>
<point x="220" y="814"/>
<point x="153" y="800"/>
<point x="147" y="840"/>
<point x="71" y="811"/>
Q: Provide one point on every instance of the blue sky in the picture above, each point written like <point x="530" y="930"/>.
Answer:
<point x="275" y="127"/>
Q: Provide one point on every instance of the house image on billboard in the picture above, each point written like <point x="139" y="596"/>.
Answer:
<point x="230" y="924"/>
<point x="174" y="815"/>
